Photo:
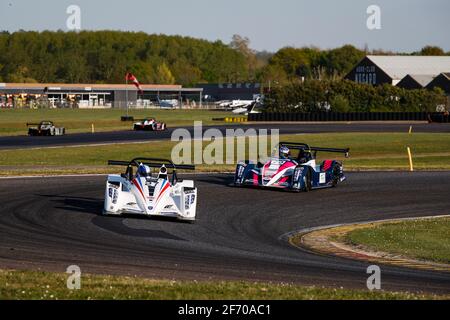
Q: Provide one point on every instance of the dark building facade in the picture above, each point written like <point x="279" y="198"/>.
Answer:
<point x="230" y="91"/>
<point x="415" y="81"/>
<point x="368" y="72"/>
<point x="441" y="81"/>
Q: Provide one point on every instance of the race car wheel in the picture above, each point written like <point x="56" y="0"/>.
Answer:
<point x="336" y="174"/>
<point x="235" y="184"/>
<point x="307" y="180"/>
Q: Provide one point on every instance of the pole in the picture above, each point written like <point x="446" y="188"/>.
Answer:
<point x="410" y="159"/>
<point x="126" y="91"/>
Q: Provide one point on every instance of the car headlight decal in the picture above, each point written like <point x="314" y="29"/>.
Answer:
<point x="240" y="171"/>
<point x="115" y="196"/>
<point x="188" y="201"/>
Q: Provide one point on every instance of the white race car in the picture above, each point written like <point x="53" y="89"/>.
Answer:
<point x="151" y="190"/>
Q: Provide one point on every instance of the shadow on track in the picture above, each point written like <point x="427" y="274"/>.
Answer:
<point x="221" y="180"/>
<point x="76" y="204"/>
<point x="115" y="224"/>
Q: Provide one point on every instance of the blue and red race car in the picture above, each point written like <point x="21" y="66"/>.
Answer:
<point x="292" y="167"/>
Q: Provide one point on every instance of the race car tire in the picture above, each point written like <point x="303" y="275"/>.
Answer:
<point x="236" y="185"/>
<point x="307" y="179"/>
<point x="336" y="174"/>
<point x="106" y="214"/>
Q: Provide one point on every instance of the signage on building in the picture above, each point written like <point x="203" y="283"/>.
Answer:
<point x="366" y="74"/>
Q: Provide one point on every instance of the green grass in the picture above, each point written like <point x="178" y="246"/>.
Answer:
<point x="47" y="286"/>
<point x="427" y="239"/>
<point x="368" y="151"/>
<point x="13" y="121"/>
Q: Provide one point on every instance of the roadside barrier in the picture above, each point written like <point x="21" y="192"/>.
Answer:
<point x="351" y="116"/>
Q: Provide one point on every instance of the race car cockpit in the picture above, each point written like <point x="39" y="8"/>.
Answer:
<point x="294" y="152"/>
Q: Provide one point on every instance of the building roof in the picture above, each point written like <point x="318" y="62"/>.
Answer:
<point x="397" y="67"/>
<point x="84" y="86"/>
<point x="81" y="88"/>
<point x="422" y="79"/>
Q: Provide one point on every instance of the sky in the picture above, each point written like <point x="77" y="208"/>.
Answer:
<point x="406" y="25"/>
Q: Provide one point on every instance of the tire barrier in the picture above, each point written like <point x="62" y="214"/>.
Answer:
<point x="351" y="116"/>
<point x="126" y="118"/>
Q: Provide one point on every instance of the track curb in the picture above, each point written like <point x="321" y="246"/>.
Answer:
<point x="318" y="240"/>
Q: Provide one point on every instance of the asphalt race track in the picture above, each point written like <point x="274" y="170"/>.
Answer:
<point x="51" y="223"/>
<point x="14" y="142"/>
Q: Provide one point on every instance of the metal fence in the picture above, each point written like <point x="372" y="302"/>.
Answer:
<point x="44" y="103"/>
<point x="351" y="116"/>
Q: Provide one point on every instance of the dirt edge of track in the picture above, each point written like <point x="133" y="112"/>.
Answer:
<point x="323" y="240"/>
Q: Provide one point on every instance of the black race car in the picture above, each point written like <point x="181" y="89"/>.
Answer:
<point x="149" y="124"/>
<point x="45" y="128"/>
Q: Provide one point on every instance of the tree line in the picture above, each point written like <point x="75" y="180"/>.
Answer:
<point x="105" y="57"/>
<point x="348" y="96"/>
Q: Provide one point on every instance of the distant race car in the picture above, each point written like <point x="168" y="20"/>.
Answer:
<point x="147" y="188"/>
<point x="45" y="128"/>
<point x="292" y="167"/>
<point x="149" y="124"/>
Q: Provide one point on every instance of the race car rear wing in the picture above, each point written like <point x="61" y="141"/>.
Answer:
<point x="344" y="151"/>
<point x="143" y="119"/>
<point x="152" y="163"/>
<point x="305" y="147"/>
<point x="40" y="123"/>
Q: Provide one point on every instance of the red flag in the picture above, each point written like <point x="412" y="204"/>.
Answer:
<point x="130" y="77"/>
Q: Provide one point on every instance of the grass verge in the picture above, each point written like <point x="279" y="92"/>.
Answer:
<point x="423" y="239"/>
<point x="368" y="151"/>
<point x="47" y="285"/>
<point x="13" y="121"/>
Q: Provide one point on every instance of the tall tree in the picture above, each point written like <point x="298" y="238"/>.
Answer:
<point x="242" y="45"/>
<point x="164" y="75"/>
<point x="432" y="51"/>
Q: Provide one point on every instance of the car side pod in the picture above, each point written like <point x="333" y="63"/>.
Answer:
<point x="301" y="179"/>
<point x="242" y="169"/>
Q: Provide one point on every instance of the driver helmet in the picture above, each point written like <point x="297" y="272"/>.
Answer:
<point x="284" y="152"/>
<point x="144" y="170"/>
